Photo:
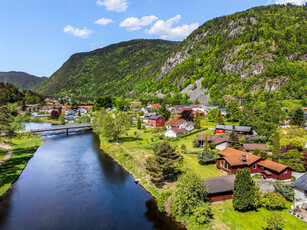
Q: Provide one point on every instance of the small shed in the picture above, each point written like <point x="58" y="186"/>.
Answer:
<point x="220" y="188"/>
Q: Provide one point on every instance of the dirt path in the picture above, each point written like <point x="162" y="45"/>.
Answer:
<point x="10" y="152"/>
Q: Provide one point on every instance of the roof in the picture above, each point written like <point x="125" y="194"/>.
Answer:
<point x="178" y="131"/>
<point x="237" y="128"/>
<point x="215" y="139"/>
<point x="301" y="182"/>
<point x="272" y="165"/>
<point x="220" y="184"/>
<point x="175" y="122"/>
<point x="255" y="146"/>
<point x="190" y="123"/>
<point x="155" y="117"/>
<point x="236" y="157"/>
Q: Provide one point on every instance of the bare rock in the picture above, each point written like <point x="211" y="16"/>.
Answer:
<point x="196" y="93"/>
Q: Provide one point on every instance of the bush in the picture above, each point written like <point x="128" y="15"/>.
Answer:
<point x="161" y="200"/>
<point x="286" y="190"/>
<point x="195" y="143"/>
<point x="183" y="148"/>
<point x="275" y="221"/>
<point x="205" y="158"/>
<point x="202" y="214"/>
<point x="211" y="146"/>
<point x="273" y="201"/>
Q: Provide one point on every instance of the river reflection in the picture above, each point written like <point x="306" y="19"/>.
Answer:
<point x="71" y="184"/>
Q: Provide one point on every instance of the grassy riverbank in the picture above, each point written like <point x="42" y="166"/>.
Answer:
<point x="23" y="146"/>
<point x="3" y="152"/>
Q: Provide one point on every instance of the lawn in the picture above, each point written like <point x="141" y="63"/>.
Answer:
<point x="224" y="218"/>
<point x="209" y="124"/>
<point x="23" y="149"/>
<point x="3" y="152"/>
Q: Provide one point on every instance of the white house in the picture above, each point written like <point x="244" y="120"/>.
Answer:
<point x="300" y="190"/>
<point x="176" y="123"/>
<point x="190" y="126"/>
<point x="175" y="132"/>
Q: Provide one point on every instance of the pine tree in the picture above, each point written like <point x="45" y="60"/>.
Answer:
<point x="164" y="112"/>
<point x="276" y="147"/>
<point x="244" y="191"/>
<point x="138" y="124"/>
<point x="23" y="106"/>
<point x="60" y="110"/>
<point x="206" y="144"/>
<point x="5" y="119"/>
<point x="233" y="140"/>
<point x="219" y="118"/>
<point x="155" y="171"/>
<point x="197" y="121"/>
<point x="297" y="117"/>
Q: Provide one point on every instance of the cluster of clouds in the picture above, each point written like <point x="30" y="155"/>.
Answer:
<point x="294" y="2"/>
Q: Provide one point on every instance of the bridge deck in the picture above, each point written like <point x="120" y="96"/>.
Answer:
<point x="62" y="127"/>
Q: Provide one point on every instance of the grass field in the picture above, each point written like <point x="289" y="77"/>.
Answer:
<point x="23" y="150"/>
<point x="3" y="152"/>
<point x="224" y="218"/>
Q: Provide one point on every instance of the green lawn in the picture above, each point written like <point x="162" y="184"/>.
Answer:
<point x="3" y="152"/>
<point x="224" y="218"/>
<point x="23" y="150"/>
<point x="213" y="124"/>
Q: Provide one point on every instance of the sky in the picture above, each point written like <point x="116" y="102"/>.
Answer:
<point x="38" y="36"/>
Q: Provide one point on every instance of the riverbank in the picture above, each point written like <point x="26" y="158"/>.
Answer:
<point x="23" y="147"/>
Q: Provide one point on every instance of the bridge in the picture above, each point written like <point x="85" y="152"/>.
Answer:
<point x="63" y="127"/>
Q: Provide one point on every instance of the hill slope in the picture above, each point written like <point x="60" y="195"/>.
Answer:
<point x="90" y="74"/>
<point x="240" y="56"/>
<point x="20" y="79"/>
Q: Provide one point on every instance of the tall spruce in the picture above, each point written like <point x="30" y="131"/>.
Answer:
<point x="297" y="117"/>
<point x="197" y="121"/>
<point x="244" y="191"/>
<point x="233" y="140"/>
<point x="139" y="124"/>
<point x="219" y="119"/>
<point x="276" y="147"/>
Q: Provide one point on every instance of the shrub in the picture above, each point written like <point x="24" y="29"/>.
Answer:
<point x="205" y="158"/>
<point x="195" y="143"/>
<point x="161" y="200"/>
<point x="286" y="190"/>
<point x="202" y="214"/>
<point x="273" y="201"/>
<point x="275" y="221"/>
<point x="211" y="146"/>
<point x="183" y="148"/>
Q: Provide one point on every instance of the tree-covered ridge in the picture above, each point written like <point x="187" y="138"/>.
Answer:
<point x="95" y="73"/>
<point x="20" y="79"/>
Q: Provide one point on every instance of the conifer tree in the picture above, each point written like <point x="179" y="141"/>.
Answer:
<point x="276" y="147"/>
<point x="219" y="118"/>
<point x="297" y="117"/>
<point x="197" y="121"/>
<point x="164" y="112"/>
<point x="60" y="110"/>
<point x="244" y="191"/>
<point x="138" y="124"/>
<point x="233" y="140"/>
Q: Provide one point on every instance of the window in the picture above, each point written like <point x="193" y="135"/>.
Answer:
<point x="254" y="166"/>
<point x="285" y="172"/>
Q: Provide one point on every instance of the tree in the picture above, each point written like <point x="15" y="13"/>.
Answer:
<point x="219" y="118"/>
<point x="294" y="159"/>
<point x="286" y="190"/>
<point x="195" y="143"/>
<point x="190" y="191"/>
<point x="276" y="148"/>
<point x="103" y="102"/>
<point x="273" y="201"/>
<point x="297" y="117"/>
<point x="164" y="112"/>
<point x="139" y="124"/>
<point x="98" y="120"/>
<point x="187" y="115"/>
<point x="5" y="119"/>
<point x="60" y="110"/>
<point x="62" y="119"/>
<point x="114" y="125"/>
<point x="205" y="158"/>
<point x="232" y="110"/>
<point x="197" y="121"/>
<point x="257" y="152"/>
<point x="212" y="114"/>
<point x="275" y="221"/>
<point x="233" y="140"/>
<point x="244" y="191"/>
<point x="165" y="164"/>
<point x="23" y="106"/>
<point x="183" y="148"/>
<point x="54" y="114"/>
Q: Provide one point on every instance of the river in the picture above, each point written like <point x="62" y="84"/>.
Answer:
<point x="71" y="184"/>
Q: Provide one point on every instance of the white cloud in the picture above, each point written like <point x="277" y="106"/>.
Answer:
<point x="133" y="23"/>
<point x="294" y="2"/>
<point x="114" y="5"/>
<point x="82" y="33"/>
<point x="166" y="30"/>
<point x="103" y="21"/>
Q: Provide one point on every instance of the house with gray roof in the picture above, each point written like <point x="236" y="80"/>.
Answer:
<point x="300" y="190"/>
<point x="245" y="130"/>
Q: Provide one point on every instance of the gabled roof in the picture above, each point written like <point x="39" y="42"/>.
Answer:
<point x="178" y="131"/>
<point x="155" y="117"/>
<point x="220" y="184"/>
<point x="273" y="165"/>
<point x="215" y="139"/>
<point x="236" y="157"/>
<point x="252" y="147"/>
<point x="237" y="128"/>
<point x="301" y="182"/>
<point x="190" y="123"/>
<point x="175" y="122"/>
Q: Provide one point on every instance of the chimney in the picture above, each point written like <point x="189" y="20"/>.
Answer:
<point x="243" y="157"/>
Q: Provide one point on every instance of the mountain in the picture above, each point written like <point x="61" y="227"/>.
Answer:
<point x="240" y="56"/>
<point x="20" y="79"/>
<point x="92" y="73"/>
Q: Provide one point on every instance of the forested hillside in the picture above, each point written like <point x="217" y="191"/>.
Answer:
<point x="20" y="79"/>
<point x="93" y="73"/>
<point x="241" y="56"/>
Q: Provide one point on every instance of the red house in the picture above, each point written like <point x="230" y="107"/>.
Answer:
<point x="156" y="121"/>
<point x="220" y="188"/>
<point x="231" y="160"/>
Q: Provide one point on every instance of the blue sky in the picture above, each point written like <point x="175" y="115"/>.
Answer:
<point x="38" y="36"/>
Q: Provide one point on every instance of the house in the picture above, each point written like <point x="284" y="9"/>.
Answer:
<point x="251" y="147"/>
<point x="220" y="141"/>
<point x="220" y="188"/>
<point x="190" y="126"/>
<point x="175" y="132"/>
<point x="176" y="123"/>
<point x="156" y="121"/>
<point x="231" y="160"/>
<point x="245" y="130"/>
<point x="201" y="114"/>
<point x="300" y="190"/>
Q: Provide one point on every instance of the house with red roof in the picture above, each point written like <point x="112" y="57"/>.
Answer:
<point x="176" y="123"/>
<point x="231" y="160"/>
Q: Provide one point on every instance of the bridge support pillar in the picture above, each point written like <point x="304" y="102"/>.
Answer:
<point x="66" y="131"/>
